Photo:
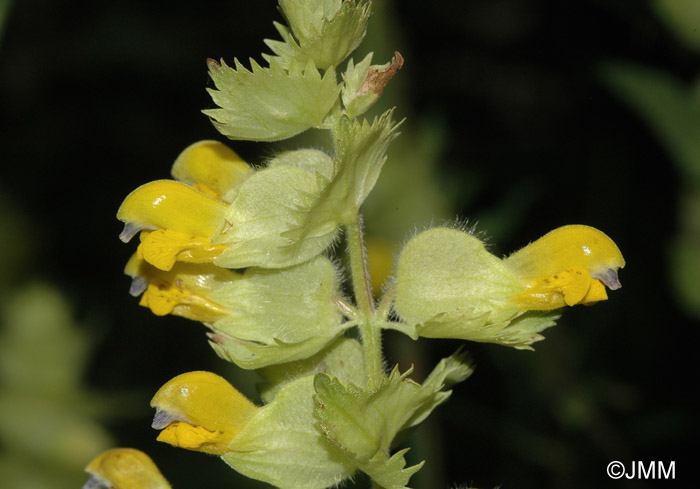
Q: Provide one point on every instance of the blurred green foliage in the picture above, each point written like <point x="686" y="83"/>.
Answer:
<point x="49" y="423"/>
<point x="671" y="108"/>
<point x="681" y="17"/>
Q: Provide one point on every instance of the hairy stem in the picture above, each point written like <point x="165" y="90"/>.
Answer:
<point x="369" y="330"/>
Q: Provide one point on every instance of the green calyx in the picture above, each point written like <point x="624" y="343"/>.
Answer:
<point x="449" y="286"/>
<point x="278" y="315"/>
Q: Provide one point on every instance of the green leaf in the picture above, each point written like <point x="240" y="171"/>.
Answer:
<point x="343" y="359"/>
<point x="281" y="445"/>
<point x="270" y="104"/>
<point x="323" y="32"/>
<point x="280" y="314"/>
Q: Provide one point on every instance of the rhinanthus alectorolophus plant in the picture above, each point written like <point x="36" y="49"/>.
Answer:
<point x="241" y="249"/>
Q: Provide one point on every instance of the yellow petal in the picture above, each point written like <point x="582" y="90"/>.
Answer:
<point x="168" y="298"/>
<point x="182" y="291"/>
<point x="201" y="400"/>
<point x="184" y="435"/>
<point x="200" y="278"/>
<point x="380" y="257"/>
<point x="564" y="248"/>
<point x="163" y="247"/>
<point x="167" y="204"/>
<point x="211" y="167"/>
<point x="565" y="267"/>
<point x="124" y="468"/>
<point x="596" y="293"/>
<point x="565" y="288"/>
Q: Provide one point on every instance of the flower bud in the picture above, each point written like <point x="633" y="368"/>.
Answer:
<point x="364" y="83"/>
<point x="212" y="168"/>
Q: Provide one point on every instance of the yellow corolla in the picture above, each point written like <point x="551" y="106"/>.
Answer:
<point x="211" y="167"/>
<point x="124" y="468"/>
<point x="177" y="219"/>
<point x="182" y="291"/>
<point x="200" y="411"/>
<point x="567" y="266"/>
<point x="181" y="221"/>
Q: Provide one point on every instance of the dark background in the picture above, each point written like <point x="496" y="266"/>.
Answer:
<point x="97" y="98"/>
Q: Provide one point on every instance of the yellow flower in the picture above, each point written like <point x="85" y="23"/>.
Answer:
<point x="182" y="221"/>
<point x="200" y="411"/>
<point x="124" y="468"/>
<point x="182" y="291"/>
<point x="567" y="266"/>
<point x="177" y="220"/>
<point x="448" y="285"/>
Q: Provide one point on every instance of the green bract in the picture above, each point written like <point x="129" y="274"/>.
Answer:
<point x="356" y="100"/>
<point x="275" y="220"/>
<point x="325" y="32"/>
<point x="449" y="286"/>
<point x="363" y="422"/>
<point x="278" y="315"/>
<point x="289" y="212"/>
<point x="363" y="83"/>
<point x="360" y="154"/>
<point x="269" y="104"/>
<point x="342" y="358"/>
<point x="281" y="445"/>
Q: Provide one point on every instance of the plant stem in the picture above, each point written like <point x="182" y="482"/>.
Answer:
<point x="369" y="330"/>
